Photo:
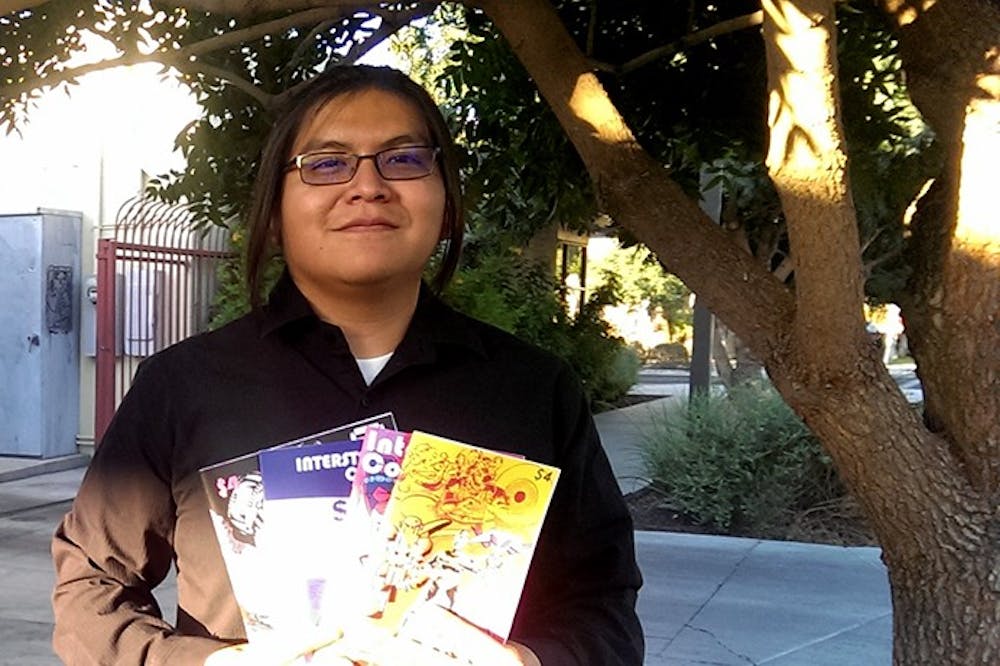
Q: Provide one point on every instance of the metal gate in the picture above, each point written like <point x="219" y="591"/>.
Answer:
<point x="156" y="280"/>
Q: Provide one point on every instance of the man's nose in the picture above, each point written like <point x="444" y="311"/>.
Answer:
<point x="368" y="183"/>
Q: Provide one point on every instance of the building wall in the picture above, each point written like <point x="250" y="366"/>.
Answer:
<point x="89" y="153"/>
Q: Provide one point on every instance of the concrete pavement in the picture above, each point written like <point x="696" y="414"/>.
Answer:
<point x="725" y="601"/>
<point x="707" y="600"/>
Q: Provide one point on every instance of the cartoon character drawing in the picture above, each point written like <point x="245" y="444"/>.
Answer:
<point x="428" y="469"/>
<point x="404" y="563"/>
<point x="471" y="552"/>
<point x="245" y="508"/>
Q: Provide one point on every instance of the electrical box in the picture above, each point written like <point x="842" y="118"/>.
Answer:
<point x="39" y="334"/>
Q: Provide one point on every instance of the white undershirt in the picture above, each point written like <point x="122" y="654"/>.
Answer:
<point x="370" y="367"/>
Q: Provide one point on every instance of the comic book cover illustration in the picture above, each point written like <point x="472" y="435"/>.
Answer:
<point x="235" y="492"/>
<point x="459" y="533"/>
<point x="309" y="542"/>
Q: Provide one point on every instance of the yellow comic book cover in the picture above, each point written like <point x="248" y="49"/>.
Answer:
<point x="459" y="532"/>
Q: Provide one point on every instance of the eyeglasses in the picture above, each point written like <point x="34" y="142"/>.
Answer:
<point x="331" y="168"/>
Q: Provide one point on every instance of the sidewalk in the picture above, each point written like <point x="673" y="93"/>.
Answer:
<point x="724" y="601"/>
<point x="706" y="601"/>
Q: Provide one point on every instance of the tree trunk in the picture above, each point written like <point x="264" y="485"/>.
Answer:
<point x="720" y="354"/>
<point x="942" y="566"/>
<point x="734" y="361"/>
<point x="634" y="187"/>
<point x="937" y="530"/>
<point x="748" y="368"/>
<point x="938" y="535"/>
<point x="951" y="55"/>
<point x="942" y="593"/>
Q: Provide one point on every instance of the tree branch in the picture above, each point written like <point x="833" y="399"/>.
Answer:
<point x="183" y="58"/>
<point x="178" y="58"/>
<point x="635" y="190"/>
<point x="238" y="37"/>
<point x="717" y="30"/>
<point x="591" y="28"/>
<point x="384" y="30"/>
<point x="389" y="27"/>
<point x="69" y="74"/>
<point x="785" y="268"/>
<point x="263" y="98"/>
<point x="303" y="46"/>
<point x="258" y="7"/>
<point x="807" y="161"/>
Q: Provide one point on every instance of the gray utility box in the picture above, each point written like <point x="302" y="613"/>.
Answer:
<point x="39" y="334"/>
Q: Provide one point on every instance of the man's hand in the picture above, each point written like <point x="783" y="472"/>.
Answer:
<point x="282" y="654"/>
<point x="397" y="651"/>
<point x="433" y="636"/>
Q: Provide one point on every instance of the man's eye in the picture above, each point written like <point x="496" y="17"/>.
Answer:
<point x="407" y="158"/>
<point x="327" y="163"/>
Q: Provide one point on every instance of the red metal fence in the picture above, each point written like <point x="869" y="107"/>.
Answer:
<point x="156" y="281"/>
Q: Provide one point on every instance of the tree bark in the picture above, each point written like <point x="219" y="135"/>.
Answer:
<point x="720" y="355"/>
<point x="808" y="164"/>
<point x="938" y="535"/>
<point x="938" y="538"/>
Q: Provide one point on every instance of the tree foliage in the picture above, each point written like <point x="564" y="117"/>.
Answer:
<point x="520" y="174"/>
<point x="237" y="68"/>
<point x="712" y="120"/>
<point x="642" y="282"/>
<point x="222" y="147"/>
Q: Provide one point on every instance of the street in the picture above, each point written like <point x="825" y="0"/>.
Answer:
<point x="671" y="381"/>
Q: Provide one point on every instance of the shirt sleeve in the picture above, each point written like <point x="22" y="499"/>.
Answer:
<point x="116" y="543"/>
<point x="578" y="607"/>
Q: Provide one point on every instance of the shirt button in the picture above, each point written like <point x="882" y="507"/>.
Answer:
<point x="365" y="401"/>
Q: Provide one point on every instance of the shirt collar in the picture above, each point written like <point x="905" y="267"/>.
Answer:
<point x="434" y="323"/>
<point x="285" y="304"/>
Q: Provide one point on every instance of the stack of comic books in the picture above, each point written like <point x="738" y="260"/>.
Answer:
<point x="263" y="551"/>
<point x="368" y="524"/>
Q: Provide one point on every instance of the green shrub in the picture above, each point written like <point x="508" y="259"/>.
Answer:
<point x="522" y="298"/>
<point x="741" y="462"/>
<point x="668" y="355"/>
<point x="232" y="300"/>
<point x="606" y="365"/>
<point x="513" y="294"/>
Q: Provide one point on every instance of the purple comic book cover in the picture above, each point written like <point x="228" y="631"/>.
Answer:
<point x="235" y="492"/>
<point x="379" y="461"/>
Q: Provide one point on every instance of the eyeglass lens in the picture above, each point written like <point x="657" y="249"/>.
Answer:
<point x="404" y="163"/>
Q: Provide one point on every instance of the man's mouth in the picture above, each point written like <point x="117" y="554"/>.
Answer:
<point x="363" y="224"/>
